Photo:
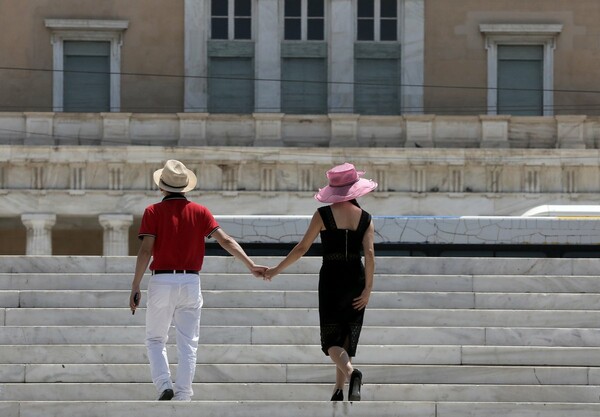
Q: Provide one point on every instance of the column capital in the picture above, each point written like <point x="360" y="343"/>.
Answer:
<point x="116" y="233"/>
<point x="115" y="221"/>
<point x="39" y="237"/>
<point x="45" y="220"/>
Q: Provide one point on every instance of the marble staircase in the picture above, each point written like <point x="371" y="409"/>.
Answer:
<point x="443" y="337"/>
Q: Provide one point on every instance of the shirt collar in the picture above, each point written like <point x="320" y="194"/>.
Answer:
<point x="174" y="196"/>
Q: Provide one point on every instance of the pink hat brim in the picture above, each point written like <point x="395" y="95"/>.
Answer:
<point x="330" y="194"/>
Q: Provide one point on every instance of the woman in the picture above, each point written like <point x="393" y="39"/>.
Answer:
<point x="344" y="283"/>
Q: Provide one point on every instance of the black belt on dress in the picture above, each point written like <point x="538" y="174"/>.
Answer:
<point x="175" y="271"/>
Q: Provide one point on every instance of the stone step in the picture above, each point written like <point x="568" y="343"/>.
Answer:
<point x="310" y="354"/>
<point x="233" y="298"/>
<point x="301" y="299"/>
<point x="307" y="392"/>
<point x="307" y="335"/>
<point x="232" y="408"/>
<point x="309" y="282"/>
<point x="298" y="408"/>
<point x="387" y="265"/>
<point x="309" y="316"/>
<point x="305" y="373"/>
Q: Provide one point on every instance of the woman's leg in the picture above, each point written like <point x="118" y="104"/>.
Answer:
<point x="344" y="368"/>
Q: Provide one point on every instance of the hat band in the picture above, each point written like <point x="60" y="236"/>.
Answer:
<point x="345" y="184"/>
<point x="175" y="186"/>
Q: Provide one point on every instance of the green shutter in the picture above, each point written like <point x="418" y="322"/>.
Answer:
<point x="377" y="86"/>
<point x="86" y="76"/>
<point x="304" y="85"/>
<point x="521" y="80"/>
<point x="231" y="85"/>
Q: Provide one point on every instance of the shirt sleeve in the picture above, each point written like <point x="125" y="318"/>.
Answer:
<point x="211" y="223"/>
<point x="148" y="225"/>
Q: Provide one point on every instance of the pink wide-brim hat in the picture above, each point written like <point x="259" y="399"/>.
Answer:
<point x="345" y="184"/>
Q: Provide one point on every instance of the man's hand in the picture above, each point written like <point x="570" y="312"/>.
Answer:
<point x="258" y="271"/>
<point x="134" y="299"/>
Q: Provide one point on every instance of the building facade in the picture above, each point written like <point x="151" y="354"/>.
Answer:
<point x="471" y="107"/>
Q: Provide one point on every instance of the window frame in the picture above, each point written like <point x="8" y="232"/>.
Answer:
<point x="377" y="22"/>
<point x="82" y="30"/>
<point x="304" y="22"/>
<point x="520" y="34"/>
<point x="231" y="17"/>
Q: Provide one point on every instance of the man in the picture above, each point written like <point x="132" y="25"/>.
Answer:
<point x="172" y="234"/>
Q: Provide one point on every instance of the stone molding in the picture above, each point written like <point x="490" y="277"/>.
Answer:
<point x="278" y="129"/>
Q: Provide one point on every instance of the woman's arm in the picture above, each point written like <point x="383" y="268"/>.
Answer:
<point x="369" y="252"/>
<point x="314" y="228"/>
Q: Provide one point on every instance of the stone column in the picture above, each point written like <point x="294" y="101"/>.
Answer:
<point x="197" y="22"/>
<point x="341" y="57"/>
<point x="39" y="235"/>
<point x="413" y="56"/>
<point x="268" y="57"/>
<point x="116" y="233"/>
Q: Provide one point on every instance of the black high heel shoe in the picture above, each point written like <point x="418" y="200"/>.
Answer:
<point x="354" y="387"/>
<point x="338" y="395"/>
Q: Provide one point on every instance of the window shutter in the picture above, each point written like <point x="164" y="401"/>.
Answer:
<point x="304" y="85"/>
<point x="86" y="76"/>
<point x="377" y="86"/>
<point x="520" y="80"/>
<point x="231" y="85"/>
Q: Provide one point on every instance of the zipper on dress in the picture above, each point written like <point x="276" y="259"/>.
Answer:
<point x="346" y="245"/>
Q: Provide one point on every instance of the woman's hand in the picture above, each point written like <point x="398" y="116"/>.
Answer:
<point x="270" y="273"/>
<point x="361" y="302"/>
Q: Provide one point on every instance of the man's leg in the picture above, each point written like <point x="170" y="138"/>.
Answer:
<point x="159" y="313"/>
<point x="187" y="324"/>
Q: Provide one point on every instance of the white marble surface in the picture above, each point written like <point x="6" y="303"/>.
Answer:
<point x="231" y="408"/>
<point x="428" y="229"/>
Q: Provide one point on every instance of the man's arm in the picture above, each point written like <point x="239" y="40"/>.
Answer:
<point x="233" y="248"/>
<point x="143" y="259"/>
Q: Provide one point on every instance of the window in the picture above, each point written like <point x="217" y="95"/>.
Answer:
<point x="231" y="19"/>
<point x="520" y="67"/>
<point x="377" y="20"/>
<point x="86" y="64"/>
<point x="86" y="76"/>
<point x="304" y="20"/>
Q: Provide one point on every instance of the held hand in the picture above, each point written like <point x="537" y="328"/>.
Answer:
<point x="361" y="302"/>
<point x="270" y="273"/>
<point x="258" y="271"/>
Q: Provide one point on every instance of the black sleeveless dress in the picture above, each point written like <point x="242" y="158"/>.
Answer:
<point x="341" y="280"/>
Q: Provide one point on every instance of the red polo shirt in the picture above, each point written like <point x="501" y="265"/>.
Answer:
<point x="179" y="226"/>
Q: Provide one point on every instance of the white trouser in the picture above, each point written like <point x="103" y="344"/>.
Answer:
<point x="177" y="299"/>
